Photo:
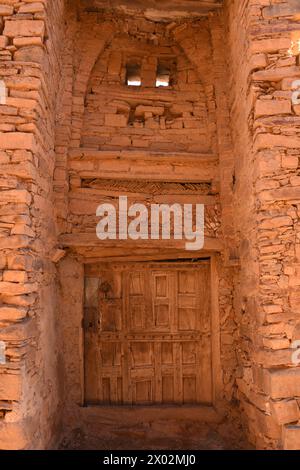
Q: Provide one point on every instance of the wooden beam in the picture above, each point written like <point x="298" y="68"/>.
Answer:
<point x="131" y="246"/>
<point x="141" y="165"/>
<point x="87" y="257"/>
<point x="94" y="255"/>
<point x="191" y="6"/>
<point x="95" y="269"/>
<point x="163" y="10"/>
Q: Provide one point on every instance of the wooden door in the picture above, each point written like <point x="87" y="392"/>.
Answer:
<point x="148" y="334"/>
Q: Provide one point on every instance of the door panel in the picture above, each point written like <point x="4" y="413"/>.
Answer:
<point x="148" y="334"/>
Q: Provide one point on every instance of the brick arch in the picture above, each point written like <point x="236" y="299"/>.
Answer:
<point x="189" y="36"/>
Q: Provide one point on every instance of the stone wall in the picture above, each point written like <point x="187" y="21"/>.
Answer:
<point x="105" y="112"/>
<point x="263" y="66"/>
<point x="236" y="73"/>
<point x="30" y="380"/>
<point x="117" y="116"/>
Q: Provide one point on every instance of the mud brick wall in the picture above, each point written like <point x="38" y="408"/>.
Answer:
<point x="30" y="42"/>
<point x="264" y="62"/>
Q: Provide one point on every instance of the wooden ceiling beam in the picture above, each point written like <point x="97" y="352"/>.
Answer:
<point x="158" y="10"/>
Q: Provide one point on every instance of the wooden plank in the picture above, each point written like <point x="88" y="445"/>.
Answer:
<point x="126" y="361"/>
<point x="91" y="355"/>
<point x="91" y="240"/>
<point x="157" y="374"/>
<point x="178" y="377"/>
<point x="94" y="255"/>
<point x="168" y="9"/>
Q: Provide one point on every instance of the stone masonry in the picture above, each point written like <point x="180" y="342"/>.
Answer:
<point x="74" y="133"/>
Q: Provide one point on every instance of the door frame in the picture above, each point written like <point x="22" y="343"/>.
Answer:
<point x="215" y="341"/>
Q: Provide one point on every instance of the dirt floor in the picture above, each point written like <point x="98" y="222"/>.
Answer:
<point x="200" y="436"/>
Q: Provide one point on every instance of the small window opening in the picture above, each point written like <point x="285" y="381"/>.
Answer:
<point x="133" y="75"/>
<point x="162" y="76"/>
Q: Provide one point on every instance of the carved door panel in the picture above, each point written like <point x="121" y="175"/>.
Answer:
<point x="149" y="340"/>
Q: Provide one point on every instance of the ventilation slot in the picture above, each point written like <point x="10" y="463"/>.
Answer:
<point x="133" y="75"/>
<point x="162" y="76"/>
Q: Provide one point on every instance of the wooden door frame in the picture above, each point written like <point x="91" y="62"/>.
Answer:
<point x="215" y="333"/>
<point x="215" y="339"/>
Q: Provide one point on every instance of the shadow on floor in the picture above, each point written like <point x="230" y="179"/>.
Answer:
<point x="158" y="436"/>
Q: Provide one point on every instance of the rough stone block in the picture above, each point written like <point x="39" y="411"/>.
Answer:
<point x="276" y="75"/>
<point x="275" y="222"/>
<point x="6" y="10"/>
<point x="19" y="300"/>
<point x="276" y="343"/>
<point x="290" y="161"/>
<point x="12" y="288"/>
<point x="24" y="28"/>
<point x="295" y="180"/>
<point x="32" y="7"/>
<point x="286" y="411"/>
<point x="18" y="196"/>
<point x="21" y="102"/>
<point x="258" y="61"/>
<point x="270" y="45"/>
<point x="14" y="242"/>
<point x="12" y="436"/>
<point x="291" y="8"/>
<point x="3" y="41"/>
<point x="12" y="313"/>
<point x="10" y="387"/>
<point x="30" y="41"/>
<point x="272" y="107"/>
<point x="282" y="383"/>
<point x="29" y="54"/>
<point x="23" y="83"/>
<point x="267" y="141"/>
<point x="20" y="331"/>
<point x="15" y="276"/>
<point x="17" y="140"/>
<point x="115" y="120"/>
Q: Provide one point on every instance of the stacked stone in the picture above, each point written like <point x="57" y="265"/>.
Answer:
<point x="116" y="117"/>
<point x="262" y="184"/>
<point x="29" y="70"/>
<point x="267" y="197"/>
